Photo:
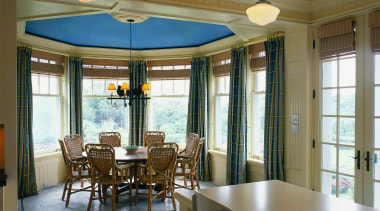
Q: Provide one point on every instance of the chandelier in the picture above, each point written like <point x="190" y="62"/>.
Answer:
<point x="262" y="13"/>
<point x="123" y="91"/>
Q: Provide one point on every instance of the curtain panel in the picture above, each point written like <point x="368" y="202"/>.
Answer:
<point x="137" y="112"/>
<point x="274" y="122"/>
<point x="25" y="152"/>
<point x="374" y="25"/>
<point x="237" y="120"/>
<point x="197" y="117"/>
<point x="75" y="86"/>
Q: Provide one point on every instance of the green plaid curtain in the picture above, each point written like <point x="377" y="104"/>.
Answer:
<point x="75" y="81"/>
<point x="25" y="153"/>
<point x="237" y="120"/>
<point x="197" y="110"/>
<point x="274" y="110"/>
<point x="137" y="112"/>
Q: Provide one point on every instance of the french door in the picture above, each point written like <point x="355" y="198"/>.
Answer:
<point x="349" y="122"/>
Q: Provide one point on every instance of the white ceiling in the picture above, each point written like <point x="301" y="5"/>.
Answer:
<point x="225" y="12"/>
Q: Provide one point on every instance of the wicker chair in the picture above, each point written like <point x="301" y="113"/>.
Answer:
<point x="106" y="173"/>
<point x="153" y="137"/>
<point x="75" y="170"/>
<point x="158" y="172"/>
<point x="111" y="138"/>
<point x="187" y="167"/>
<point x="191" y="143"/>
<point x="74" y="145"/>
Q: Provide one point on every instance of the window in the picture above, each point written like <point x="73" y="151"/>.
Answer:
<point x="168" y="109"/>
<point x="221" y="112"/>
<point x="47" y="112"/>
<point x="99" y="115"/>
<point x="258" y="105"/>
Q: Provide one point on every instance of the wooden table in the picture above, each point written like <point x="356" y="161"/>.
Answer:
<point x="121" y="155"/>
<point x="270" y="196"/>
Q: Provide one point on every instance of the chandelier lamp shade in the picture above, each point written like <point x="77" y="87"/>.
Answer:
<point x="123" y="90"/>
<point x="262" y="13"/>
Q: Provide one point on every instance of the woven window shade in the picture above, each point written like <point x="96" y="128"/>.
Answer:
<point x="220" y="65"/>
<point x="336" y="39"/>
<point x="172" y="69"/>
<point x="105" y="69"/>
<point x="374" y="24"/>
<point x="257" y="57"/>
<point x="47" y="63"/>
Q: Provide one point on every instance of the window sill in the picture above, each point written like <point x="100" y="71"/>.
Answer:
<point x="249" y="160"/>
<point x="46" y="154"/>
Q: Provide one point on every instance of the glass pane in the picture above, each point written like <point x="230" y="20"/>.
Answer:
<point x="167" y="87"/>
<point x="346" y="187"/>
<point x="221" y="85"/>
<point x="329" y="129"/>
<point x="377" y="133"/>
<point x="347" y="101"/>
<point x="377" y="69"/>
<point x="346" y="160"/>
<point x="108" y="92"/>
<point x="260" y="81"/>
<point x="258" y="124"/>
<point x="99" y="116"/>
<point x="46" y="122"/>
<point x="227" y="87"/>
<point x="98" y="87"/>
<point x="87" y="87"/>
<point x="44" y="85"/>
<point x="347" y="76"/>
<point x="328" y="183"/>
<point x="376" y="195"/>
<point x="155" y="87"/>
<point x="187" y="87"/>
<point x="376" y="164"/>
<point x="221" y="120"/>
<point x="377" y="101"/>
<point x="329" y="101"/>
<point x="169" y="114"/>
<point x="54" y="86"/>
<point x="329" y="74"/>
<point x="347" y="131"/>
<point x="179" y="87"/>
<point x="329" y="157"/>
<point x="35" y="84"/>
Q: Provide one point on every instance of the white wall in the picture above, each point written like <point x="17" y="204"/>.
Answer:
<point x="8" y="77"/>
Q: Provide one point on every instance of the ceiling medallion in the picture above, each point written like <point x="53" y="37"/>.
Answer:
<point x="125" y="17"/>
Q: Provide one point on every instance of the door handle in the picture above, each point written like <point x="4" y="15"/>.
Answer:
<point x="367" y="159"/>
<point x="357" y="158"/>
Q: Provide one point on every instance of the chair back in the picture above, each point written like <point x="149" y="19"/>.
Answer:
<point x="191" y="143"/>
<point x="111" y="138"/>
<point x="198" y="153"/>
<point x="74" y="145"/>
<point x="101" y="158"/>
<point x="153" y="137"/>
<point x="162" y="157"/>
<point x="64" y="153"/>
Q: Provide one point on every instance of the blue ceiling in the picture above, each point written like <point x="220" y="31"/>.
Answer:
<point x="101" y="30"/>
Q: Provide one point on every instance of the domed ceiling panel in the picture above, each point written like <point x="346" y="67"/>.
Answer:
<point x="101" y="30"/>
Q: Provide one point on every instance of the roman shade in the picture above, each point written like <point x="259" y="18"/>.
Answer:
<point x="105" y="69"/>
<point x="257" y="57"/>
<point x="46" y="63"/>
<point x="171" y="69"/>
<point x="221" y="63"/>
<point x="374" y="25"/>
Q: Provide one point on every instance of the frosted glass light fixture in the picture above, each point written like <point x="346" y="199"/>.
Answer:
<point x="262" y="13"/>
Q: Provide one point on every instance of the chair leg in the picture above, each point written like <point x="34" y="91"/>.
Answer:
<point x="91" y="195"/>
<point x="173" y="199"/>
<point x="150" y="198"/>
<point x="196" y="177"/>
<point x="192" y="182"/>
<point x="137" y="192"/>
<point x="104" y="192"/>
<point x="69" y="192"/>
<point x="64" y="189"/>
<point x="130" y="192"/>
<point x="114" y="198"/>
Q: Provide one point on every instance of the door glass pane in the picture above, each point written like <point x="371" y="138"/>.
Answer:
<point x="329" y="129"/>
<point x="346" y="160"/>
<point x="329" y="101"/>
<point x="376" y="164"/>
<point x="376" y="195"/>
<point x="377" y="69"/>
<point x="346" y="187"/>
<point x="377" y="133"/>
<point x="329" y="157"/>
<point x="377" y="101"/>
<point x="347" y="131"/>
<point x="329" y="74"/>
<point x="347" y="74"/>
<point x="328" y="183"/>
<point x="347" y="101"/>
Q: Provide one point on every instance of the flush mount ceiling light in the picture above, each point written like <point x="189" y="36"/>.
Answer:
<point x="262" y="13"/>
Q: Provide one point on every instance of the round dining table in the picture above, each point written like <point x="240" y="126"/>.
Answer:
<point x="122" y="156"/>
